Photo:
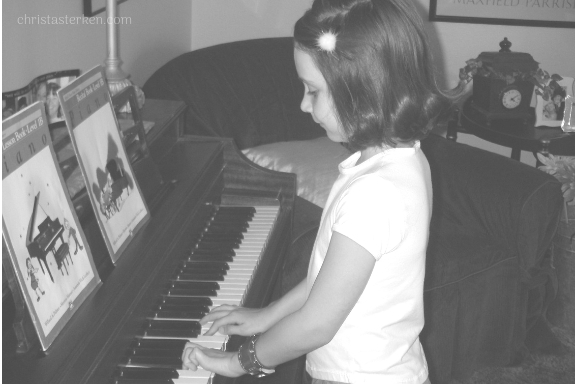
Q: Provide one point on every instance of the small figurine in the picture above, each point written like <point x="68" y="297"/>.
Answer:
<point x="34" y="283"/>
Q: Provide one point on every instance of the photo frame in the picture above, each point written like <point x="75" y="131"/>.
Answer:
<point x="94" y="7"/>
<point x="42" y="88"/>
<point x="513" y="12"/>
<point x="550" y="113"/>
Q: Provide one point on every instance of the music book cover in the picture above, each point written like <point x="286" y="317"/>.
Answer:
<point x="49" y="259"/>
<point x="117" y="200"/>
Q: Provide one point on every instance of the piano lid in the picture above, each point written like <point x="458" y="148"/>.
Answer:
<point x="36" y="217"/>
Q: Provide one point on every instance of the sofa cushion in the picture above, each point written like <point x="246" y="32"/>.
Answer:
<point x="315" y="163"/>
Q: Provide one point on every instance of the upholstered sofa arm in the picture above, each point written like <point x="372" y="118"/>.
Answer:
<point x="246" y="90"/>
<point x="482" y="198"/>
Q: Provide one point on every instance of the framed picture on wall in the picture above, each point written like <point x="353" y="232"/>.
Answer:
<point x="556" y="14"/>
<point x="94" y="7"/>
<point x="550" y="113"/>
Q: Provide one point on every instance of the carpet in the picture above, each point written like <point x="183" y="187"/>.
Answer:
<point x="539" y="367"/>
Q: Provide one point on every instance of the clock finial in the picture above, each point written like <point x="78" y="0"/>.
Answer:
<point x="505" y="45"/>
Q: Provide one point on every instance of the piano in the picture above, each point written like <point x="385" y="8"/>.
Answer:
<point x="166" y="279"/>
<point x="45" y="241"/>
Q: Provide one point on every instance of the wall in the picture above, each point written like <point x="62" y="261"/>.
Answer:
<point x="218" y="21"/>
<point x="155" y="34"/>
<point x="159" y="32"/>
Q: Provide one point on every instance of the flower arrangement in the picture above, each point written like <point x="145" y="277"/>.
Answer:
<point x="545" y="83"/>
<point x="562" y="168"/>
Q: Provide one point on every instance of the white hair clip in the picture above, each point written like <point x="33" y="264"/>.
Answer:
<point x="327" y="41"/>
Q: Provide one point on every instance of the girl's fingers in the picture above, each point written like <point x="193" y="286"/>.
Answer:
<point x="225" y="307"/>
<point x="213" y="316"/>
<point x="189" y="359"/>
<point x="221" y="324"/>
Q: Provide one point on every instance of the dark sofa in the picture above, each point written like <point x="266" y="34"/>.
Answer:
<point x="488" y="277"/>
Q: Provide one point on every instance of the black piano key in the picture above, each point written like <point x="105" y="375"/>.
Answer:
<point x="214" y="267"/>
<point x="207" y="257"/>
<point x="189" y="308"/>
<point x="160" y="343"/>
<point x="174" y="300"/>
<point x="245" y="215"/>
<point x="153" y="332"/>
<point x="160" y="352"/>
<point x="229" y="223"/>
<point x="212" y="253"/>
<point x="195" y="315"/>
<point x="223" y="228"/>
<point x="145" y="373"/>
<point x="153" y="362"/>
<point x="200" y="272"/>
<point x="210" y="236"/>
<point x="194" y="285"/>
<point x="216" y="239"/>
<point x="238" y="212"/>
<point x="236" y="208"/>
<point x="189" y="292"/>
<point x="173" y="324"/>
<point x="216" y="245"/>
<point x="201" y="263"/>
<point x="200" y="277"/>
<point x="177" y="292"/>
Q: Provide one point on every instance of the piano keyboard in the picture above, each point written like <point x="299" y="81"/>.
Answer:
<point x="218" y="271"/>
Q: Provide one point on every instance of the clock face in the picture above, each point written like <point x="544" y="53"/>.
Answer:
<point x="511" y="98"/>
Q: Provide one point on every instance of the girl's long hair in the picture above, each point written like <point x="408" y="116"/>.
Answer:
<point x="379" y="73"/>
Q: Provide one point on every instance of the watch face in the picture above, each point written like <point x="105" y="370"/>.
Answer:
<point x="511" y="98"/>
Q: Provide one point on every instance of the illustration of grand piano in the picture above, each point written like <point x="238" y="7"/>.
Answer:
<point x="115" y="183"/>
<point x="42" y="239"/>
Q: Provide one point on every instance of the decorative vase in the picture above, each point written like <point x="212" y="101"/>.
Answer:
<point x="561" y="310"/>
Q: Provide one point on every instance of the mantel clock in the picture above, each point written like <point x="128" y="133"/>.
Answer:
<point x="505" y="93"/>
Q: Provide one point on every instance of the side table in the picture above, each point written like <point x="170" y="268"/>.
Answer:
<point x="515" y="134"/>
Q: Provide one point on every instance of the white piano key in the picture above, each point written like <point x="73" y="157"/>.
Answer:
<point x="187" y="373"/>
<point x="192" y="380"/>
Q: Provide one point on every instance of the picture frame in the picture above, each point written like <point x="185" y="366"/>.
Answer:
<point x="550" y="113"/>
<point x="94" y="7"/>
<point x="42" y="88"/>
<point x="509" y="12"/>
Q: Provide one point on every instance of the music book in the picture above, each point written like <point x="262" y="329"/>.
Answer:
<point x="49" y="266"/>
<point x="118" y="203"/>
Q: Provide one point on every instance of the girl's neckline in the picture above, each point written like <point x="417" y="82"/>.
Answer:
<point x="371" y="152"/>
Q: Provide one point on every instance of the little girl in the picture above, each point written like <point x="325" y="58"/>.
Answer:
<point x="368" y="81"/>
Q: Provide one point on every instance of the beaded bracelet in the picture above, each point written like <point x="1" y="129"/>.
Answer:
<point x="248" y="360"/>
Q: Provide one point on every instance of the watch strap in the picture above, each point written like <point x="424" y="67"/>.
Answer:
<point x="249" y="361"/>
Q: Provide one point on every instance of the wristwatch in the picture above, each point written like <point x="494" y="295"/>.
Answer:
<point x="248" y="360"/>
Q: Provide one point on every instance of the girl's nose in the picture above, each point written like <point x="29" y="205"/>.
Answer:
<point x="305" y="105"/>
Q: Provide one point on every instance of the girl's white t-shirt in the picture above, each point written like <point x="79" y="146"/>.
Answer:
<point x="384" y="204"/>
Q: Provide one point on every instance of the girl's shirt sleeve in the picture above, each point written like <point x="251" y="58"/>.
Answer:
<point x="372" y="213"/>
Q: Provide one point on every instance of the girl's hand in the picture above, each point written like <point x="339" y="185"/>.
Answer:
<point x="213" y="360"/>
<point x="234" y="320"/>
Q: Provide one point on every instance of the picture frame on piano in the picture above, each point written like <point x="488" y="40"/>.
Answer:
<point x="49" y="265"/>
<point x="117" y="201"/>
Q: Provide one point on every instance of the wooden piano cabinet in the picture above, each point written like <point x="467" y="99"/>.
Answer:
<point x="201" y="172"/>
